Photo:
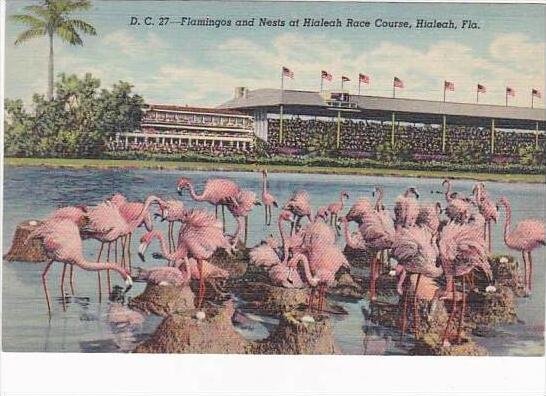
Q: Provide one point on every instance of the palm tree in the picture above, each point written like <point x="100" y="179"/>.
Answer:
<point x="52" y="18"/>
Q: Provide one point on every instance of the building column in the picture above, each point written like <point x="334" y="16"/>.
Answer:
<point x="393" y="121"/>
<point x="280" y="125"/>
<point x="536" y="136"/>
<point x="444" y="134"/>
<point x="338" y="128"/>
<point x="492" y="135"/>
<point x="126" y="141"/>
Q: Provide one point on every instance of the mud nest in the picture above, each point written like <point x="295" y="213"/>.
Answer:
<point x="183" y="333"/>
<point x="431" y="344"/>
<point x="267" y="299"/>
<point x="32" y="251"/>
<point x="236" y="264"/>
<point x="163" y="300"/>
<point x="295" y="335"/>
<point x="358" y="258"/>
<point x="486" y="310"/>
<point x="347" y="287"/>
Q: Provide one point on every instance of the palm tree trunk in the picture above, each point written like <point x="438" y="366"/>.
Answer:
<point x="50" y="69"/>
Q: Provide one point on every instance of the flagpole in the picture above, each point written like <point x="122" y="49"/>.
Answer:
<point x="532" y="99"/>
<point x="393" y="90"/>
<point x="506" y="98"/>
<point x="358" y="85"/>
<point x="444" y="91"/>
<point x="281" y="107"/>
<point x="321" y="82"/>
<point x="477" y="95"/>
<point x="341" y="83"/>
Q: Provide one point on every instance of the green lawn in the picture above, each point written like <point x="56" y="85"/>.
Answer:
<point x="151" y="164"/>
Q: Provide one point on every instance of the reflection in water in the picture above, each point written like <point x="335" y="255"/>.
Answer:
<point x="87" y="325"/>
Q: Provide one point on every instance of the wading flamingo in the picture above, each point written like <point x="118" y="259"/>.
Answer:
<point x="488" y="209"/>
<point x="335" y="208"/>
<point x="172" y="211"/>
<point x="525" y="237"/>
<point x="268" y="199"/>
<point x="461" y="250"/>
<point x="416" y="253"/>
<point x="406" y="208"/>
<point x="240" y="207"/>
<point x="298" y="204"/>
<point x="216" y="192"/>
<point x="457" y="209"/>
<point x="62" y="243"/>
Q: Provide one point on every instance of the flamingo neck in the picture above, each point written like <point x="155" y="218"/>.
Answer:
<point x="379" y="199"/>
<point x="239" y="230"/>
<point x="193" y="195"/>
<point x="507" y="219"/>
<point x="283" y="239"/>
<point x="348" y="237"/>
<point x="301" y="258"/>
<point x="264" y="184"/>
<point x="87" y="265"/>
<point x="164" y="248"/>
<point x="447" y="190"/>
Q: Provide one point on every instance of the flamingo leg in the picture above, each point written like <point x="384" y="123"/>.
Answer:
<point x="223" y="218"/>
<point x="416" y="308"/>
<point x="98" y="272"/>
<point x="201" y="283"/>
<point x="373" y="296"/>
<point x="108" y="281"/>
<point x="246" y="230"/>
<point x="530" y="272"/>
<point x="404" y="310"/>
<point x="451" y="315"/>
<point x="310" y="300"/>
<point x="265" y="212"/>
<point x="44" y="283"/>
<point x="122" y="241"/>
<point x="129" y="251"/>
<point x="524" y="270"/>
<point x="489" y="237"/>
<point x="72" y="280"/>
<point x="216" y="210"/>
<point x="461" y="318"/>
<point x="62" y="286"/>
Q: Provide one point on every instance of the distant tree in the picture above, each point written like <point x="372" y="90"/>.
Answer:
<point x="531" y="155"/>
<point x="51" y="18"/>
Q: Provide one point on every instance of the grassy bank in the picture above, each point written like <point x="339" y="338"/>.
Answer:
<point x="208" y="166"/>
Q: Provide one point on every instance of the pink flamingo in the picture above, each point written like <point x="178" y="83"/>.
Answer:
<point x="298" y="204"/>
<point x="526" y="236"/>
<point x="416" y="253"/>
<point x="406" y="209"/>
<point x="335" y="208"/>
<point x="268" y="199"/>
<point x="461" y="250"/>
<point x="458" y="209"/>
<point x="487" y="208"/>
<point x="324" y="262"/>
<point x="132" y="213"/>
<point x="377" y="235"/>
<point x="172" y="211"/>
<point x="63" y="243"/>
<point x="216" y="192"/>
<point x="265" y="254"/>
<point x="163" y="276"/>
<point x="318" y="232"/>
<point x="429" y="217"/>
<point x="240" y="207"/>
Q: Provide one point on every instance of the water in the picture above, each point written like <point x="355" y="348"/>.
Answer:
<point x="31" y="192"/>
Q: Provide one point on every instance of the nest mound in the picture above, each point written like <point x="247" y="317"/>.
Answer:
<point x="358" y="258"/>
<point x="431" y="344"/>
<point x="163" y="300"/>
<point x="486" y="310"/>
<point x="267" y="299"/>
<point x="236" y="264"/>
<point x="347" y="287"/>
<point x="295" y="335"/>
<point x="33" y="251"/>
<point x="183" y="333"/>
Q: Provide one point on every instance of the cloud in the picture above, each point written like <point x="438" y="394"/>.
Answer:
<point x="128" y="43"/>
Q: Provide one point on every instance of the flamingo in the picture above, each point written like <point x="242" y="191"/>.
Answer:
<point x="458" y="209"/>
<point x="416" y="253"/>
<point x="298" y="204"/>
<point x="525" y="237"/>
<point x="406" y="209"/>
<point x="240" y="207"/>
<point x="131" y="212"/>
<point x="268" y="199"/>
<point x="335" y="208"/>
<point x="62" y="243"/>
<point x="163" y="276"/>
<point x="179" y="258"/>
<point x="429" y="217"/>
<point x="487" y="208"/>
<point x="377" y="235"/>
<point x="318" y="232"/>
<point x="216" y="192"/>
<point x="461" y="250"/>
<point x="172" y="211"/>
<point x="324" y="262"/>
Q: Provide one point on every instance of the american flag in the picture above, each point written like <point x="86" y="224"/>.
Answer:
<point x="344" y="79"/>
<point x="481" y="88"/>
<point x="363" y="78"/>
<point x="536" y="92"/>
<point x="448" y="85"/>
<point x="287" y="72"/>
<point x="510" y="91"/>
<point x="325" y="75"/>
<point x="398" y="83"/>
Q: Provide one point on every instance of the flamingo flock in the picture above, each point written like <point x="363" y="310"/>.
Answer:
<point x="449" y="240"/>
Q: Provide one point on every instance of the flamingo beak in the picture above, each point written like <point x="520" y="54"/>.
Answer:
<point x="128" y="284"/>
<point x="179" y="189"/>
<point x="141" y="250"/>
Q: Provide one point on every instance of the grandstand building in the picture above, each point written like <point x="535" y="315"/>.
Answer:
<point x="289" y="119"/>
<point x="169" y="128"/>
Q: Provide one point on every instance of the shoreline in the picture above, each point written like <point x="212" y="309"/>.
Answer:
<point x="75" y="163"/>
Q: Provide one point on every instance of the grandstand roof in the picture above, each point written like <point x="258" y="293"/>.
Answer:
<point x="199" y="110"/>
<point x="381" y="108"/>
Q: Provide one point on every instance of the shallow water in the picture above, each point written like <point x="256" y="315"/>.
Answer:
<point x="31" y="192"/>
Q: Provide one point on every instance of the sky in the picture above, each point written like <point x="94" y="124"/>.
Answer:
<point x="200" y="66"/>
